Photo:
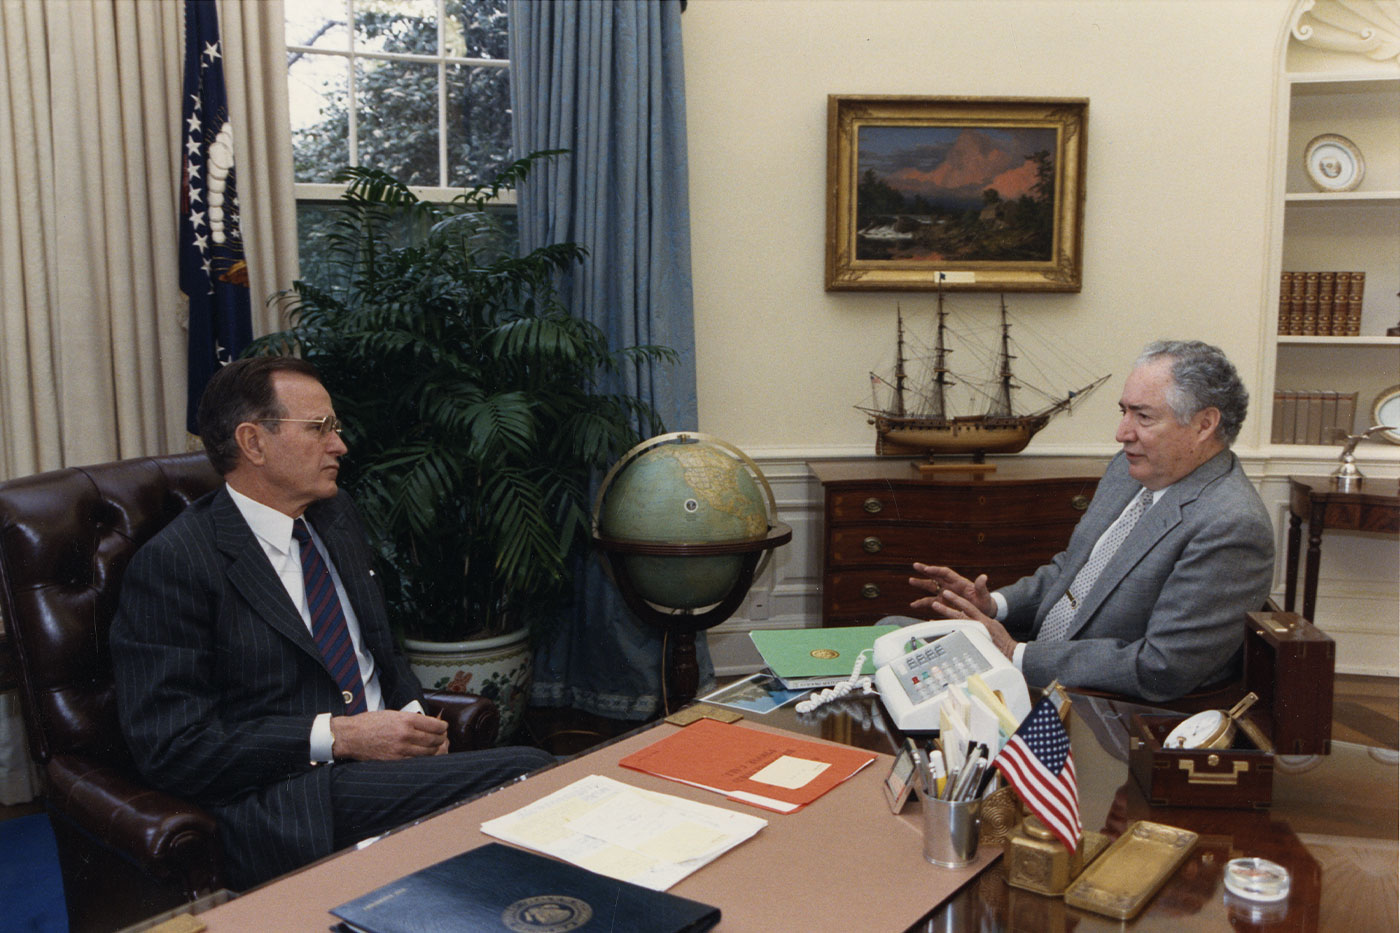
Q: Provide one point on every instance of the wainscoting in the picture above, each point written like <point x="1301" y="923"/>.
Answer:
<point x="1358" y="587"/>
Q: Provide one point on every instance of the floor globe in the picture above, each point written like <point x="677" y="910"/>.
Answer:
<point x="684" y="490"/>
<point x="685" y="523"/>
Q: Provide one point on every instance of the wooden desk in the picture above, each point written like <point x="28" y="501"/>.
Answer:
<point x="1333" y="825"/>
<point x="844" y="855"/>
<point x="1376" y="507"/>
<point x="881" y="516"/>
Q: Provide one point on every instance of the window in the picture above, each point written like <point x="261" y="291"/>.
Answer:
<point x="418" y="88"/>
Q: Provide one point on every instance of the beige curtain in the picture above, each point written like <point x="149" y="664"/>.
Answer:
<point x="92" y="322"/>
<point x="255" y="71"/>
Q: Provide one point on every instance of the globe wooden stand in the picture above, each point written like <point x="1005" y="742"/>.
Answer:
<point x="680" y="625"/>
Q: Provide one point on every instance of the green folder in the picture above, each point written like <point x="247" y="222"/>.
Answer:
<point x="803" y="658"/>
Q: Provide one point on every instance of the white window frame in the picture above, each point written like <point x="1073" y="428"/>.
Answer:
<point x="323" y="192"/>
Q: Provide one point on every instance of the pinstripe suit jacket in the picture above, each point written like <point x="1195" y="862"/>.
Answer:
<point x="1165" y="616"/>
<point x="218" y="678"/>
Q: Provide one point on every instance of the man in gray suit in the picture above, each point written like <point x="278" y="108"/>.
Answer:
<point x="256" y="673"/>
<point x="1148" y="597"/>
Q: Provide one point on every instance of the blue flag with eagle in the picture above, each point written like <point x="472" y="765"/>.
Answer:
<point x="213" y="270"/>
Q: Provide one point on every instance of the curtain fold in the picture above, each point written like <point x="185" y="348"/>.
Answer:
<point x="605" y="80"/>
<point x="255" y="73"/>
<point x="92" y="322"/>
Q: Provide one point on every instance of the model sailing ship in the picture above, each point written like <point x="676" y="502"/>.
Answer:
<point x="917" y="420"/>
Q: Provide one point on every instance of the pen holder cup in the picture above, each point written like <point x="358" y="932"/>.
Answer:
<point x="951" y="831"/>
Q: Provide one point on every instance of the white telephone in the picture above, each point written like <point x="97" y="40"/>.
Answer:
<point x="918" y="663"/>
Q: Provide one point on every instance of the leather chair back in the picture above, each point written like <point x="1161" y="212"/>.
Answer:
<point x="66" y="538"/>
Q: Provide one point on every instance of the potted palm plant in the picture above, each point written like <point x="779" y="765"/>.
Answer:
<point x="472" y="412"/>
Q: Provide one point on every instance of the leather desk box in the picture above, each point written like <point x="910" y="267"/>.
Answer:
<point x="1240" y="776"/>
<point x="1290" y="665"/>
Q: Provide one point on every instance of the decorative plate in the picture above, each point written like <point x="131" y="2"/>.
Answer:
<point x="1334" y="163"/>
<point x="1387" y="411"/>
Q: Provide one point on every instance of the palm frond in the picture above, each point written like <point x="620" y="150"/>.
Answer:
<point x="474" y="414"/>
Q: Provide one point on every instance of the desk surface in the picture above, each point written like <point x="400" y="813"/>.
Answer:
<point x="1333" y="824"/>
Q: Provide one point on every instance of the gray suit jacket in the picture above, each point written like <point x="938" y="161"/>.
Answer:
<point x="218" y="678"/>
<point x="1166" y="615"/>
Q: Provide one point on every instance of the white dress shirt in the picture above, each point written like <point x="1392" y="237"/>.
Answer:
<point x="273" y="529"/>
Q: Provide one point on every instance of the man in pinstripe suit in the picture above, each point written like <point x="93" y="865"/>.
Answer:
<point x="223" y="694"/>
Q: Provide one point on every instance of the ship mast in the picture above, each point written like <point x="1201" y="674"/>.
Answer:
<point x="940" y="365"/>
<point x="1003" y="406"/>
<point x="899" y="363"/>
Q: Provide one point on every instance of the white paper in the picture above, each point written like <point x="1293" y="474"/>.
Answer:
<point x="624" y="832"/>
<point x="787" y="771"/>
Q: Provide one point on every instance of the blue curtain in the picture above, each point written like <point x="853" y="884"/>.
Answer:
<point x="604" y="80"/>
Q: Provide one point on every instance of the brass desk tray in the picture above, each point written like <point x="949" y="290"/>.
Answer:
<point x="1121" y="881"/>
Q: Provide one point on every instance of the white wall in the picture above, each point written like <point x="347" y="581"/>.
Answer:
<point x="1176" y="215"/>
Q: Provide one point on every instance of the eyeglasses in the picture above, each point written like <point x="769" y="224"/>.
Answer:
<point x="324" y="426"/>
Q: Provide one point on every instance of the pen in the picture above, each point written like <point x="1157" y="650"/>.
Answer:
<point x="987" y="777"/>
<point x="951" y="783"/>
<point x="969" y="766"/>
<point x="974" y="781"/>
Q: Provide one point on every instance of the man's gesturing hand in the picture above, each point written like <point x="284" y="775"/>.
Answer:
<point x="956" y="597"/>
<point x="387" y="735"/>
<point x="937" y="580"/>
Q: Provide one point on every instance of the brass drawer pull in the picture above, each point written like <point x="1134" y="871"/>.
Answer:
<point x="870" y="591"/>
<point x="872" y="545"/>
<point x="1079" y="503"/>
<point x="1217" y="777"/>
<point x="873" y="505"/>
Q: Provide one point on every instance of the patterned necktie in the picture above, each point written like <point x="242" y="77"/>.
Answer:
<point x="1057" y="621"/>
<point x="328" y="621"/>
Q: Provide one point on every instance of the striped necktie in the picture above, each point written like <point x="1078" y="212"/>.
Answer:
<point x="1058" y="619"/>
<point x="328" y="626"/>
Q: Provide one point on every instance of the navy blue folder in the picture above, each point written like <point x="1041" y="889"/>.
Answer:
<point x="498" y="887"/>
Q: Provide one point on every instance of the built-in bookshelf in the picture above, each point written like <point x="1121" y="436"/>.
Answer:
<point x="1325" y="231"/>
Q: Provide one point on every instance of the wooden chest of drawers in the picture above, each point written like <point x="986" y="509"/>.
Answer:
<point x="881" y="516"/>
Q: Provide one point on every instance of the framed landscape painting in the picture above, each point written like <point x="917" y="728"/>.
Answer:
<point x="959" y="193"/>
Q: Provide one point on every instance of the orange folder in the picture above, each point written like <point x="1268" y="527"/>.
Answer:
<point x="777" y="772"/>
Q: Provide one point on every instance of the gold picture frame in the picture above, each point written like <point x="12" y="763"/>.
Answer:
<point x="958" y="193"/>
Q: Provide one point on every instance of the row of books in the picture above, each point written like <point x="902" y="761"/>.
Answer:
<point x="1320" y="304"/>
<point x="1312" y="417"/>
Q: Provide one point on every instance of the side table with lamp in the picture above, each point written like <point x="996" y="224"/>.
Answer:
<point x="1336" y="501"/>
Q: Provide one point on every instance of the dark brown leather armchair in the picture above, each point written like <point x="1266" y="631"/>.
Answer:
<point x="127" y="851"/>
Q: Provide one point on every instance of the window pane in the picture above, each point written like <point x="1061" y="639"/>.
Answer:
<point x="314" y="223"/>
<point x="408" y="26"/>
<point x="398" y="110"/>
<point x="476" y="29"/>
<point x="318" y="23"/>
<point x="318" y="96"/>
<point x="478" y="123"/>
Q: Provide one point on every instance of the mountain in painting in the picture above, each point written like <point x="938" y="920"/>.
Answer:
<point x="972" y="164"/>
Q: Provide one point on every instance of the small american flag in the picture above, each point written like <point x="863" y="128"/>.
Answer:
<point x="1037" y="762"/>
